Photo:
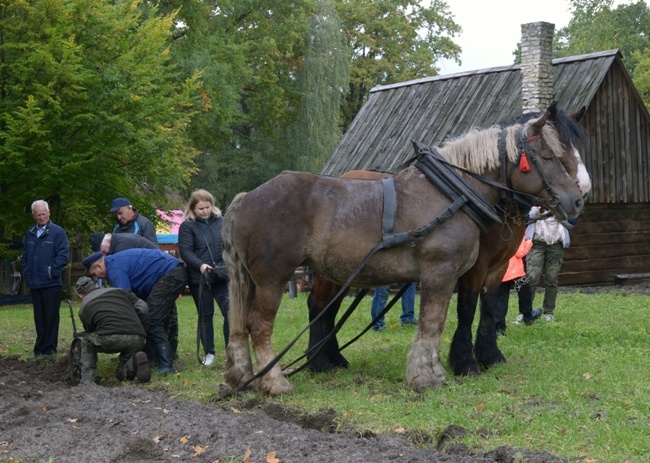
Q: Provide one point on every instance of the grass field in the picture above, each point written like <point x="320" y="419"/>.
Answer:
<point x="578" y="388"/>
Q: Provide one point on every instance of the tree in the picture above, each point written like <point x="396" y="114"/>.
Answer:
<point x="90" y="109"/>
<point x="595" y="26"/>
<point x="394" y="41"/>
<point x="322" y="80"/>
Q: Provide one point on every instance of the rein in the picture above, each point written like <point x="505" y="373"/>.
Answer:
<point x="444" y="176"/>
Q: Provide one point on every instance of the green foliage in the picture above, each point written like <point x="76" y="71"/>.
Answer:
<point x="393" y="41"/>
<point x="322" y="81"/>
<point x="596" y="26"/>
<point x="90" y="109"/>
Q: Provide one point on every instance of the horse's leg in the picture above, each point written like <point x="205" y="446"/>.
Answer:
<point x="323" y="291"/>
<point x="461" y="357"/>
<point x="423" y="367"/>
<point x="261" y="320"/>
<point x="486" y="349"/>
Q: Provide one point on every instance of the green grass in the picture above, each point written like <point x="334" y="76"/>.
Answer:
<point x="578" y="388"/>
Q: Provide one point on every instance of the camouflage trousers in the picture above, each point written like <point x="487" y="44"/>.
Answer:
<point x="126" y="344"/>
<point x="545" y="260"/>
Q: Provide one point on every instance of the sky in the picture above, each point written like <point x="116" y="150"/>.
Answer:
<point x="492" y="28"/>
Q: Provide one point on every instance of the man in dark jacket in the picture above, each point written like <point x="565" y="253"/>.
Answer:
<point x="129" y="221"/>
<point x="154" y="276"/>
<point x="114" y="320"/>
<point x="45" y="254"/>
<point x="110" y="243"/>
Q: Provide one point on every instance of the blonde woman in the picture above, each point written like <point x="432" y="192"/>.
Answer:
<point x="199" y="244"/>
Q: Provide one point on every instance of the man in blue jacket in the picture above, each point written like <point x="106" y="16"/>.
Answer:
<point x="155" y="277"/>
<point x="45" y="254"/>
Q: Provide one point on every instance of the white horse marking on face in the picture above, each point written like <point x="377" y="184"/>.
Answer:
<point x="583" y="179"/>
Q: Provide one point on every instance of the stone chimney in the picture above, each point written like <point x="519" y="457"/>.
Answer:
<point x="536" y="66"/>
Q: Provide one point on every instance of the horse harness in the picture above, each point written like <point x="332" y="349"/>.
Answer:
<point x="446" y="178"/>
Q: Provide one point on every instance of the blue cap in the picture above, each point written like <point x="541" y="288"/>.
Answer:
<point x="91" y="259"/>
<point x="118" y="203"/>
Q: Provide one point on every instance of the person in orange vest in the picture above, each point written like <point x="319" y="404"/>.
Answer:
<point x="515" y="277"/>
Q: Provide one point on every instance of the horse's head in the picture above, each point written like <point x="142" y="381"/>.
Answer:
<point x="572" y="137"/>
<point x="540" y="164"/>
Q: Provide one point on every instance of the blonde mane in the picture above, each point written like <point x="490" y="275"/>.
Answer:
<point x="478" y="150"/>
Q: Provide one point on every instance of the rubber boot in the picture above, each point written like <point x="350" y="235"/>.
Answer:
<point x="151" y="354"/>
<point x="87" y="376"/>
<point x="174" y="345"/>
<point x="141" y="365"/>
<point x="165" y="358"/>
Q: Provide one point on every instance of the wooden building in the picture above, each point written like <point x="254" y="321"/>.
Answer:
<point x="613" y="234"/>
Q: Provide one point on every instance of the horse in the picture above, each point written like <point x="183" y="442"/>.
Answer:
<point x="296" y="210"/>
<point x="496" y="246"/>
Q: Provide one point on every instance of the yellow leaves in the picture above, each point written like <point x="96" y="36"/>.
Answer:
<point x="198" y="450"/>
<point x="73" y="420"/>
<point x="590" y="460"/>
<point x="587" y="376"/>
<point x="399" y="430"/>
<point x="271" y="457"/>
<point x="479" y="407"/>
<point x="184" y="440"/>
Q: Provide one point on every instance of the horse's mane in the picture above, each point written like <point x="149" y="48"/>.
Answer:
<point x="478" y="150"/>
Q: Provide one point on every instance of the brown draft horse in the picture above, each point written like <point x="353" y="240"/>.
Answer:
<point x="288" y="222"/>
<point x="496" y="246"/>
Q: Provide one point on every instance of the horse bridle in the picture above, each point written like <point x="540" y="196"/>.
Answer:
<point x="525" y="153"/>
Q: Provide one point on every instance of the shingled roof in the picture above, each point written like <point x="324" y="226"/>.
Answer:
<point x="434" y="109"/>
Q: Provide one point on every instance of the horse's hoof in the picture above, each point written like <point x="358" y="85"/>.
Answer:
<point x="277" y="388"/>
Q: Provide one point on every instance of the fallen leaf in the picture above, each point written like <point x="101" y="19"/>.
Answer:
<point x="73" y="420"/>
<point x="157" y="439"/>
<point x="198" y="450"/>
<point x="590" y="460"/>
<point x="235" y="410"/>
<point x="399" y="430"/>
<point x="186" y="382"/>
<point x="184" y="440"/>
<point x="165" y="411"/>
<point x="271" y="457"/>
<point x="587" y="375"/>
<point x="44" y="408"/>
<point x="169" y="434"/>
<point x="4" y="443"/>
<point x="479" y="407"/>
<point x="247" y="455"/>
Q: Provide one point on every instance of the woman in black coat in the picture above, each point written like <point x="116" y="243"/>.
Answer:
<point x="199" y="244"/>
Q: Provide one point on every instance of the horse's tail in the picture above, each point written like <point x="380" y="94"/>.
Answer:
<point x="242" y="287"/>
<point x="241" y="284"/>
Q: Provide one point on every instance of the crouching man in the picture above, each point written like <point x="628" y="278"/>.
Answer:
<point x="115" y="320"/>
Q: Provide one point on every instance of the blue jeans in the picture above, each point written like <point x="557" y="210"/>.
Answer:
<point x="379" y="298"/>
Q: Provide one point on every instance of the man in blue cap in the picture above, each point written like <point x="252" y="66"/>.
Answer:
<point x="155" y="277"/>
<point x="129" y="221"/>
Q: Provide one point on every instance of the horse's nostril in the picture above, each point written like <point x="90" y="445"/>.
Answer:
<point x="580" y="203"/>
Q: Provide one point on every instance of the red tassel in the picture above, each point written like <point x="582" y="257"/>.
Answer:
<point x="523" y="163"/>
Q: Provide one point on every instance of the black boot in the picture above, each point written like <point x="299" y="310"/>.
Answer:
<point x="165" y="358"/>
<point x="533" y="316"/>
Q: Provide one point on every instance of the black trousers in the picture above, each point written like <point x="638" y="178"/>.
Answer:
<point x="525" y="294"/>
<point x="219" y="293"/>
<point x="47" y="306"/>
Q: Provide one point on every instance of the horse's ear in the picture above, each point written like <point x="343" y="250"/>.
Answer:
<point x="552" y="110"/>
<point x="577" y="116"/>
<point x="540" y="122"/>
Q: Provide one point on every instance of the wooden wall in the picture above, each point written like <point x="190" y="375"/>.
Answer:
<point x="608" y="239"/>
<point x="617" y="154"/>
